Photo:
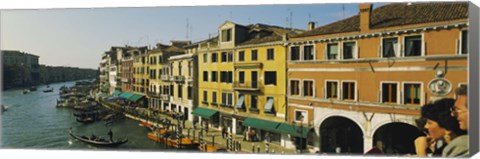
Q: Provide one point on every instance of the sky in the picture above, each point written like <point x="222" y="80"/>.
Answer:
<point x="78" y="37"/>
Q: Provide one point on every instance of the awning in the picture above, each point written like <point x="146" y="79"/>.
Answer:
<point x="204" y="112"/>
<point x="269" y="105"/>
<point x="117" y="93"/>
<point x="114" y="98"/>
<point x="294" y="130"/>
<point x="240" y="102"/>
<point x="261" y="124"/>
<point x="135" y="97"/>
<point x="126" y="95"/>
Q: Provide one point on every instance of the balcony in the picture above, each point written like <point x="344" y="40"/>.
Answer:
<point x="165" y="78"/>
<point x="153" y="94"/>
<point x="254" y="110"/>
<point x="190" y="79"/>
<point x="179" y="78"/>
<point x="247" y="86"/>
<point x="165" y="97"/>
<point x="125" y="80"/>
<point x="248" y="65"/>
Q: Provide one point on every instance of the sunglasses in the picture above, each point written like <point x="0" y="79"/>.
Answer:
<point x="455" y="111"/>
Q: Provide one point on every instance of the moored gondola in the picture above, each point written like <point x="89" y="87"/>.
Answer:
<point x="98" y="141"/>
<point x="85" y="120"/>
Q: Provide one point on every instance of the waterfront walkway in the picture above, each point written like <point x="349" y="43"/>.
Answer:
<point x="221" y="143"/>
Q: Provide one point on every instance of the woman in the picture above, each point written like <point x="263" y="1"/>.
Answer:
<point x="441" y="126"/>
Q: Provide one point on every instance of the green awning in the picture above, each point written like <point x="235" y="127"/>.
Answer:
<point x="204" y="112"/>
<point x="126" y="95"/>
<point x="261" y="124"/>
<point x="117" y="93"/>
<point x="294" y="130"/>
<point x="135" y="97"/>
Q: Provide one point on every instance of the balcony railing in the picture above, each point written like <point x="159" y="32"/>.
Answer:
<point x="179" y="78"/>
<point x="190" y="79"/>
<point x="165" y="78"/>
<point x="154" y="94"/>
<point x="165" y="97"/>
<point x="247" y="86"/>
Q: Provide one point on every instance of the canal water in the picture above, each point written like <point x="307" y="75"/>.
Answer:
<point x="33" y="122"/>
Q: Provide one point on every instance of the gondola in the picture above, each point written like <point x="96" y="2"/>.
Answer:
<point x="48" y="90"/>
<point x="98" y="141"/>
<point x="85" y="120"/>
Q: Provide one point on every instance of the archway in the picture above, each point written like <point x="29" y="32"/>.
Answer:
<point x="341" y="132"/>
<point x="398" y="138"/>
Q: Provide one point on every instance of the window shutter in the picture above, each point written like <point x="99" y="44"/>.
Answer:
<point x="380" y="96"/>
<point x="424" y="47"/>
<point x="380" y="51"/>
<point x="356" y="51"/>
<point x="457" y="46"/>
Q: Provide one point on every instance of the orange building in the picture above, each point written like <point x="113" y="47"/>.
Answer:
<point x="365" y="78"/>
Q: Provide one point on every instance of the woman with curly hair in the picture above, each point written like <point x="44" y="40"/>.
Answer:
<point x="441" y="126"/>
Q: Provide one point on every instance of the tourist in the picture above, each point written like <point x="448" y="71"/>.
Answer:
<point x="441" y="126"/>
<point x="110" y="134"/>
<point x="459" y="146"/>
<point x="224" y="132"/>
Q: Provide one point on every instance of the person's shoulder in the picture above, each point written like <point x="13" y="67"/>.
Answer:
<point x="459" y="147"/>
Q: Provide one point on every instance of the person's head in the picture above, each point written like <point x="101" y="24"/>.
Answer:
<point x="439" y="122"/>
<point x="379" y="144"/>
<point x="460" y="110"/>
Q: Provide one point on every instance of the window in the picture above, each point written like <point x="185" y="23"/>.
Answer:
<point x="230" y="77"/>
<point x="269" y="106"/>
<point x="270" y="54"/>
<point x="270" y="78"/>
<point x="253" y="102"/>
<point x="226" y="35"/>
<point x="205" y="96"/>
<point x="205" y="58"/>
<point x="230" y="99"/>
<point x="214" y="97"/>
<point x="389" y="47"/>
<point x="241" y="77"/>
<point x="171" y="90"/>
<point x="223" y="76"/>
<point x="224" y="57"/>
<point x="294" y="53"/>
<point x="224" y="99"/>
<point x="348" y="89"/>
<point x="241" y="56"/>
<point x="308" y="88"/>
<point x="412" y="94"/>
<point x="464" y="46"/>
<point x="214" y="57"/>
<point x="180" y="91"/>
<point x="254" y="55"/>
<point x="349" y="50"/>
<point x="189" y="93"/>
<point x="205" y="76"/>
<point x="332" y="89"/>
<point x="300" y="115"/>
<point x="214" y="76"/>
<point x="308" y="52"/>
<point x="332" y="51"/>
<point x="229" y="57"/>
<point x="295" y="87"/>
<point x="413" y="46"/>
<point x="389" y="93"/>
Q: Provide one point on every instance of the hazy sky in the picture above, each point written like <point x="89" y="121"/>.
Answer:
<point x="78" y="37"/>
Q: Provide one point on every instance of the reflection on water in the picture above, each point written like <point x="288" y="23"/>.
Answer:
<point x="33" y="122"/>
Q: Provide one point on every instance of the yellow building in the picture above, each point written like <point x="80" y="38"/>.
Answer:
<point x="241" y="76"/>
<point x="365" y="78"/>
<point x="160" y="79"/>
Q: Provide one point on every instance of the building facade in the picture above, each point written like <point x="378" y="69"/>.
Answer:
<point x="365" y="78"/>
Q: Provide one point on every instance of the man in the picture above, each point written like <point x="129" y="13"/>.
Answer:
<point x="458" y="147"/>
<point x="110" y="134"/>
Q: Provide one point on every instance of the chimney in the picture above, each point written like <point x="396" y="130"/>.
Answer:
<point x="311" y="26"/>
<point x="365" y="11"/>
